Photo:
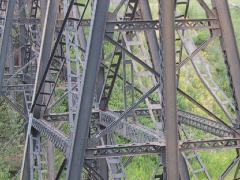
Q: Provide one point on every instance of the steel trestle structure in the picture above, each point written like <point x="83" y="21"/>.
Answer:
<point x="100" y="82"/>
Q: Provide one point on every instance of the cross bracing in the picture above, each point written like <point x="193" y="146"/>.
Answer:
<point x="99" y="80"/>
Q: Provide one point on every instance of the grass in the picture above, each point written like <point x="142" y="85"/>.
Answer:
<point x="142" y="167"/>
<point x="215" y="161"/>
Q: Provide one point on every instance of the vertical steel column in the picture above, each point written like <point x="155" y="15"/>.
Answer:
<point x="170" y="119"/>
<point x="23" y="32"/>
<point x="151" y="35"/>
<point x="25" y="171"/>
<point x="43" y="5"/>
<point x="26" y="168"/>
<point x="45" y="49"/>
<point x="93" y="58"/>
<point x="50" y="159"/>
<point x="230" y="49"/>
<point x="11" y="64"/>
<point x="23" y="42"/>
<point x="102" y="163"/>
<point x="48" y="34"/>
<point x="6" y="38"/>
<point x="81" y="35"/>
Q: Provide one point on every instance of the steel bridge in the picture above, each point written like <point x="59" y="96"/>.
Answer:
<point x="86" y="74"/>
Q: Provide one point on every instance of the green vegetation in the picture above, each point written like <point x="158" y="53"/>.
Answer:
<point x="141" y="168"/>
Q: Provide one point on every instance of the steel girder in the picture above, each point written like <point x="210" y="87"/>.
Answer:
<point x="201" y="123"/>
<point x="156" y="148"/>
<point x="93" y="58"/>
<point x="45" y="50"/>
<point x="61" y="142"/>
<point x="20" y="87"/>
<point x="132" y="131"/>
<point x="44" y="54"/>
<point x="148" y="25"/>
<point x="124" y="150"/>
<point x="113" y="124"/>
<point x="167" y="39"/>
<point x="180" y="24"/>
<point x="138" y="25"/>
<point x="224" y="143"/>
<point x="230" y="51"/>
<point x="204" y="124"/>
<point x="5" y="36"/>
<point x="55" y="63"/>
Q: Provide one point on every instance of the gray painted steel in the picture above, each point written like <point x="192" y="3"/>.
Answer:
<point x="169" y="100"/>
<point x="5" y="35"/>
<point x="93" y="59"/>
<point x="96" y="121"/>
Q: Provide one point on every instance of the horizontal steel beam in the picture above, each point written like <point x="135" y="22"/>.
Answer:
<point x="132" y="131"/>
<point x="204" y="124"/>
<point x="156" y="147"/>
<point x="58" y="139"/>
<point x="215" y="144"/>
<point x="18" y="87"/>
<point x="180" y="24"/>
<point x="186" y="118"/>
<point x="61" y="142"/>
<point x="19" y="20"/>
<point x="7" y="76"/>
<point x="124" y="150"/>
<point x="142" y="25"/>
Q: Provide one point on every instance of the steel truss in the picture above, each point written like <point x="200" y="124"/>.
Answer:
<point x="62" y="64"/>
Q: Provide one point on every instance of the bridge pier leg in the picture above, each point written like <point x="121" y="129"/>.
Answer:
<point x="93" y="58"/>
<point x="6" y="38"/>
<point x="167" y="49"/>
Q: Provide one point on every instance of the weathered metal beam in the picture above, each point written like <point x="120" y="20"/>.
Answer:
<point x="135" y="58"/>
<point x="6" y="38"/>
<point x="113" y="124"/>
<point x="155" y="148"/>
<point x="151" y="35"/>
<point x="223" y="143"/>
<point x="52" y="61"/>
<point x="192" y="100"/>
<point x="230" y="51"/>
<point x="152" y="43"/>
<point x="58" y="139"/>
<point x="93" y="59"/>
<point x="204" y="124"/>
<point x="124" y="150"/>
<point x="61" y="142"/>
<point x="19" y="87"/>
<point x="207" y="125"/>
<point x="167" y="38"/>
<point x="150" y="25"/>
<point x="131" y="131"/>
<point x="45" y="51"/>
